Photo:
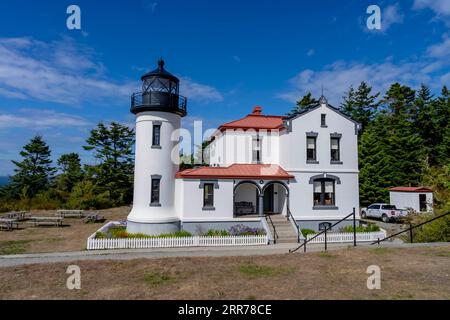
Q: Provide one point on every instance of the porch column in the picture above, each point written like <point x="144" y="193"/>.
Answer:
<point x="261" y="205"/>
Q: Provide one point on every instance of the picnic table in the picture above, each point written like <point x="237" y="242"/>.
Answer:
<point x="70" y="213"/>
<point x="41" y="221"/>
<point x="93" y="217"/>
<point x="17" y="215"/>
<point x="8" y="224"/>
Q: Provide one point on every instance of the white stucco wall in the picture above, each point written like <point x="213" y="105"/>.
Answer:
<point x="302" y="203"/>
<point x="192" y="201"/>
<point x="293" y="144"/>
<point x="155" y="161"/>
<point x="235" y="146"/>
<point x="405" y="200"/>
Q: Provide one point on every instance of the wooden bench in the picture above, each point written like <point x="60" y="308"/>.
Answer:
<point x="244" y="207"/>
<point x="70" y="213"/>
<point x="8" y="224"/>
<point x="93" y="217"/>
<point x="46" y="221"/>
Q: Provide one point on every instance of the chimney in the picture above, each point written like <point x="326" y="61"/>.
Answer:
<point x="257" y="111"/>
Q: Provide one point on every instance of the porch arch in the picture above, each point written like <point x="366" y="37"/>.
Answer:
<point x="244" y="202"/>
<point x="286" y="196"/>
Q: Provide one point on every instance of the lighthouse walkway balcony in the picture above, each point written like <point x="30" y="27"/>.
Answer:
<point x="158" y="101"/>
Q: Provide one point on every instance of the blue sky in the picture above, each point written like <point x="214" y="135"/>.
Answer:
<point x="230" y="56"/>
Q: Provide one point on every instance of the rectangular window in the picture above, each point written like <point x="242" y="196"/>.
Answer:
<point x="324" y="193"/>
<point x="256" y="149"/>
<point x="156" y="182"/>
<point x="311" y="149"/>
<point x="323" y="120"/>
<point x="335" y="152"/>
<point x="208" y="195"/>
<point x="156" y="139"/>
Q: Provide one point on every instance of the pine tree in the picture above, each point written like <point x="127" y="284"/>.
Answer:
<point x="441" y="106"/>
<point x="306" y="102"/>
<point x="361" y="105"/>
<point x="71" y="171"/>
<point x="113" y="147"/>
<point x="34" y="173"/>
<point x="422" y="118"/>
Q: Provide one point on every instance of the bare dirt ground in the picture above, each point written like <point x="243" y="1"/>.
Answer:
<point x="71" y="237"/>
<point x="413" y="273"/>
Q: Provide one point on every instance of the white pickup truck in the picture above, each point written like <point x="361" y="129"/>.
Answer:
<point x="383" y="211"/>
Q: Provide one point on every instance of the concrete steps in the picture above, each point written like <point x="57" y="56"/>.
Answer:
<point x="285" y="231"/>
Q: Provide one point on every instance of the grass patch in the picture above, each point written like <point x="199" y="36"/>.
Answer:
<point x="380" y="250"/>
<point x="445" y="254"/>
<point x="158" y="278"/>
<point x="260" y="271"/>
<point x="14" y="247"/>
<point x="325" y="254"/>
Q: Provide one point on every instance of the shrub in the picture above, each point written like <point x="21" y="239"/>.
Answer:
<point x="100" y="235"/>
<point x="369" y="228"/>
<point x="216" y="233"/>
<point x="243" y="230"/>
<point x="307" y="232"/>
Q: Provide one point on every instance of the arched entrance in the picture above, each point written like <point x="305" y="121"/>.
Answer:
<point x="246" y="196"/>
<point x="275" y="198"/>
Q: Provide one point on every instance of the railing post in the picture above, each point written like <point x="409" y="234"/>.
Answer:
<point x="411" y="233"/>
<point x="326" y="244"/>
<point x="304" y="245"/>
<point x="354" y="227"/>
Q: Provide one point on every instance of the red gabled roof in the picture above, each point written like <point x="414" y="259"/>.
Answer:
<point x="410" y="189"/>
<point x="237" y="171"/>
<point x="256" y="121"/>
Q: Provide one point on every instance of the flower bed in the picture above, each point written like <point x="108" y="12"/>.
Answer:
<point x="114" y="236"/>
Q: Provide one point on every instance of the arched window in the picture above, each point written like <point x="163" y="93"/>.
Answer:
<point x="324" y="192"/>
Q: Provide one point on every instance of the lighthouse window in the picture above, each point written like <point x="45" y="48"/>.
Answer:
<point x="155" y="191"/>
<point x="208" y="195"/>
<point x="156" y="135"/>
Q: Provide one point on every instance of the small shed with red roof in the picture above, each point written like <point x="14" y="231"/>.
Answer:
<point x="420" y="199"/>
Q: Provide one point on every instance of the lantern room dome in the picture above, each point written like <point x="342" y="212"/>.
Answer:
<point x="160" y="72"/>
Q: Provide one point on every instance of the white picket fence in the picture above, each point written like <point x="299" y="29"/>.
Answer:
<point x="195" y="241"/>
<point x="348" y="237"/>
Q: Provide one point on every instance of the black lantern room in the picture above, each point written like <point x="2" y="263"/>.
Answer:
<point x="160" y="92"/>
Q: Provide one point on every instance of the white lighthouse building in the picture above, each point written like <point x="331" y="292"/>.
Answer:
<point x="158" y="109"/>
<point x="301" y="171"/>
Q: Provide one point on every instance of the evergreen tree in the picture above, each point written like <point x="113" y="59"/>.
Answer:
<point x="400" y="100"/>
<point x="34" y="173"/>
<point x="423" y="119"/>
<point x="361" y="105"/>
<point x="306" y="102"/>
<point x="113" y="147"/>
<point x="71" y="171"/>
<point x="441" y="115"/>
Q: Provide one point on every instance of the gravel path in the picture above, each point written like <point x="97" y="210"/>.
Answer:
<point x="17" y="260"/>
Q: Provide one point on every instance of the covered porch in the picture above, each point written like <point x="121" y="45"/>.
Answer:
<point x="260" y="197"/>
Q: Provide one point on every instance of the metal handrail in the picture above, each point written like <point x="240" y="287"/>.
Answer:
<point x="290" y="216"/>
<point x="410" y="229"/>
<point x="275" y="234"/>
<point x="303" y="245"/>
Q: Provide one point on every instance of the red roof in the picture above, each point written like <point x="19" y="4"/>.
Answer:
<point x="410" y="189"/>
<point x="256" y="121"/>
<point x="237" y="171"/>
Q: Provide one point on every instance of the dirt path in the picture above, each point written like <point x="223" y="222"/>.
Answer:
<point x="413" y="273"/>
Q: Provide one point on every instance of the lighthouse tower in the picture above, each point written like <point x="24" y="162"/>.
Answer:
<point x="158" y="109"/>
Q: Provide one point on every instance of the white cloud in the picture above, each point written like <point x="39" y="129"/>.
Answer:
<point x="310" y="52"/>
<point x="440" y="7"/>
<point x="69" y="73"/>
<point x="440" y="50"/>
<point x="199" y="92"/>
<point x="40" y="119"/>
<point x="60" y="71"/>
<point x="391" y="15"/>
<point x="237" y="58"/>
<point x="338" y="77"/>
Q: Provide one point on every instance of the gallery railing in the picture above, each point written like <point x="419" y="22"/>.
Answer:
<point x="290" y="216"/>
<point x="270" y="221"/>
